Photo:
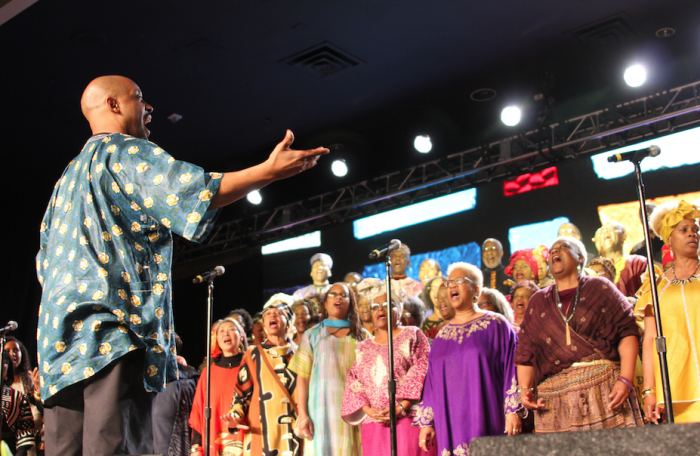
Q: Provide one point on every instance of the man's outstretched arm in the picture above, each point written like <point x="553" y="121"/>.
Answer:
<point x="282" y="163"/>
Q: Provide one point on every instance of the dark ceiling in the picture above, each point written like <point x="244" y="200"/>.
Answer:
<point x="237" y="73"/>
<point x="411" y="67"/>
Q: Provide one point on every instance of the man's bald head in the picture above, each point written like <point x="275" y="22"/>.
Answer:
<point x="96" y="93"/>
<point x="114" y="104"/>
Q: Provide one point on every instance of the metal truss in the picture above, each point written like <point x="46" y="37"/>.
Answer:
<point x="614" y="126"/>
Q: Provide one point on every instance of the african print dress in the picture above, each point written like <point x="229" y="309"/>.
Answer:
<point x="260" y="399"/>
<point x="326" y="361"/>
<point x="575" y="374"/>
<point x="18" y="429"/>
<point x="471" y="382"/>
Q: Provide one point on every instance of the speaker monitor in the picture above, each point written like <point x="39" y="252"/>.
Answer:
<point x="653" y="440"/>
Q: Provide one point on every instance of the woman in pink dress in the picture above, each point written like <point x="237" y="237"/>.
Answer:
<point x="366" y="398"/>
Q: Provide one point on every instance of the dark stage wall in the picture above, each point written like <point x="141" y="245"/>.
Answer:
<point x="577" y="197"/>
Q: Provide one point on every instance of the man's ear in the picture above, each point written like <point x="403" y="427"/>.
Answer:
<point x="113" y="104"/>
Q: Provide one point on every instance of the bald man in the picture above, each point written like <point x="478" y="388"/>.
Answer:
<point x="106" y="339"/>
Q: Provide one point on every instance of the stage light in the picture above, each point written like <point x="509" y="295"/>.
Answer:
<point x="415" y="213"/>
<point x="423" y="144"/>
<point x="635" y="75"/>
<point x="339" y="168"/>
<point x="305" y="241"/>
<point x="254" y="197"/>
<point x="511" y="116"/>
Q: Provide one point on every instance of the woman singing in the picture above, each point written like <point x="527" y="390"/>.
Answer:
<point x="679" y="305"/>
<point x="321" y="363"/>
<point x="577" y="349"/>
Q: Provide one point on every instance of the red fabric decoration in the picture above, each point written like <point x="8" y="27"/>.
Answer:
<point x="531" y="181"/>
<point x="667" y="257"/>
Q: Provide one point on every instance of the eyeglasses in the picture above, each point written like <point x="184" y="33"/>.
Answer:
<point x="485" y="304"/>
<point x="333" y="294"/>
<point x="376" y="305"/>
<point x="458" y="281"/>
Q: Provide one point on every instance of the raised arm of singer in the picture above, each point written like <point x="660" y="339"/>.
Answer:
<point x="105" y="267"/>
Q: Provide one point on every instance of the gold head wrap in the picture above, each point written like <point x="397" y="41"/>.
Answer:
<point x="676" y="216"/>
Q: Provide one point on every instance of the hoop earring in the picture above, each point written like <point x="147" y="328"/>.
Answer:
<point x="475" y="299"/>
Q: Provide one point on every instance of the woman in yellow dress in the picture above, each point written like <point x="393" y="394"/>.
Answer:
<point x="679" y="306"/>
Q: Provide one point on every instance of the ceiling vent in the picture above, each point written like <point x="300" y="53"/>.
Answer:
<point x="323" y="60"/>
<point x="607" y="32"/>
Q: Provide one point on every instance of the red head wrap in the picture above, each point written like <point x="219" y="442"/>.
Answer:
<point x="525" y="255"/>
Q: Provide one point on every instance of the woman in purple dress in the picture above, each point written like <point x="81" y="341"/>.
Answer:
<point x="470" y="387"/>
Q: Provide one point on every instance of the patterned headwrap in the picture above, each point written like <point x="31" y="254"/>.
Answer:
<point x="676" y="216"/>
<point x="282" y="302"/>
<point x="370" y="288"/>
<point x="606" y="263"/>
<point x="543" y="251"/>
<point x="525" y="255"/>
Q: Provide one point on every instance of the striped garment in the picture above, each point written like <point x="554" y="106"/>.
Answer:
<point x="18" y="417"/>
<point x="326" y="361"/>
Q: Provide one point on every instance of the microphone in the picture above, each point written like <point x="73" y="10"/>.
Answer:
<point x="635" y="155"/>
<point x="209" y="275"/>
<point x="11" y="326"/>
<point x="385" y="249"/>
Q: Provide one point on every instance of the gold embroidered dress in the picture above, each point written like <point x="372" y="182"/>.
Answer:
<point x="471" y="382"/>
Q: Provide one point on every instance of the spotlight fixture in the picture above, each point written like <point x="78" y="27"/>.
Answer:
<point x="339" y="168"/>
<point x="635" y="75"/>
<point x="423" y="144"/>
<point x="665" y="32"/>
<point x="254" y="197"/>
<point x="511" y="116"/>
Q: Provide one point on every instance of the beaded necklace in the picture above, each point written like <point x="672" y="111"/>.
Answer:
<point x="573" y="306"/>
<point x="677" y="281"/>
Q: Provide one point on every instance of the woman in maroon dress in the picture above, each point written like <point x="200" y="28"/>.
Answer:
<point x="577" y="349"/>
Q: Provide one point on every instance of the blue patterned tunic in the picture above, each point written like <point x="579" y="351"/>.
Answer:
<point x="105" y="258"/>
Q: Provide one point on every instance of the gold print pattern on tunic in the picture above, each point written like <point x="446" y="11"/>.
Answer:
<point x="458" y="333"/>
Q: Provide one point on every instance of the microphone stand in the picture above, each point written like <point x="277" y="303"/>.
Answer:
<point x="660" y="339"/>
<point x="390" y="345"/>
<point x="207" y="407"/>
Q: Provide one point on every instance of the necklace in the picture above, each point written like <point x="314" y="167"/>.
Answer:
<point x="677" y="281"/>
<point x="564" y="317"/>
